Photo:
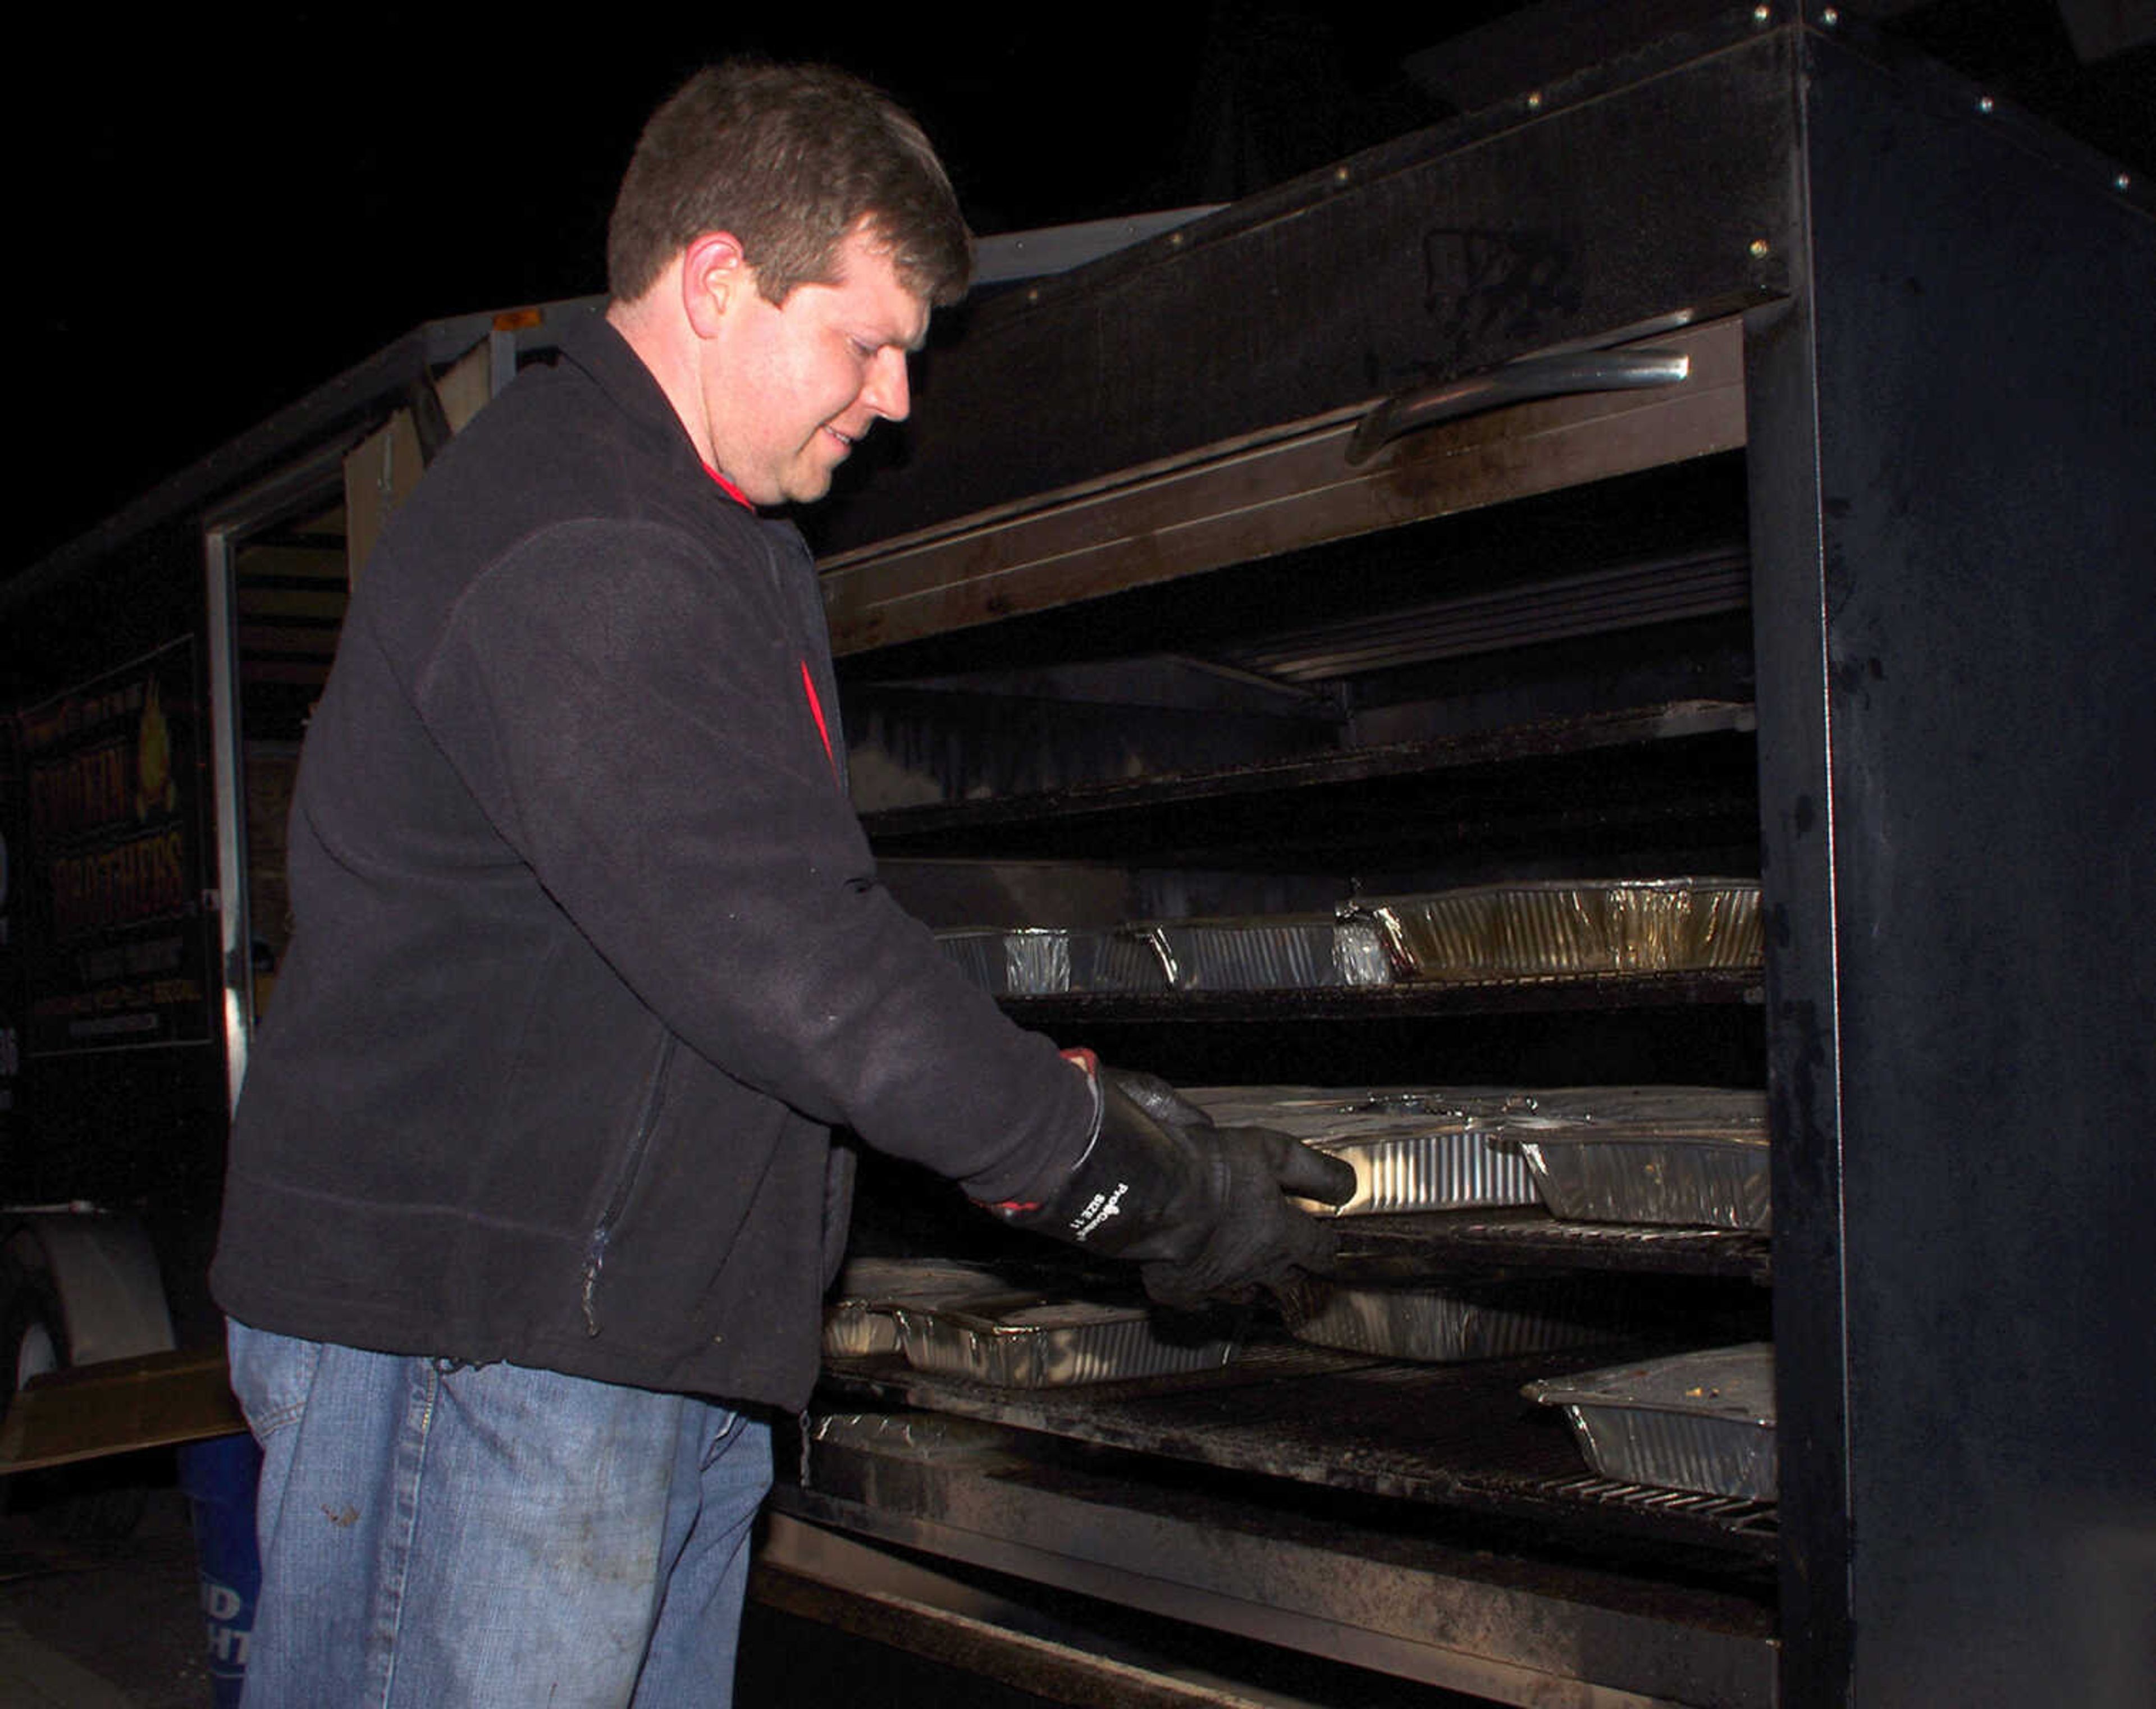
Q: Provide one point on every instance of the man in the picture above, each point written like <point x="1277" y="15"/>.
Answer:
<point x="531" y="1201"/>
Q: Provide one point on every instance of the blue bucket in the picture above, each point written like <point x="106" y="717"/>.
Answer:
<point x="217" y="1478"/>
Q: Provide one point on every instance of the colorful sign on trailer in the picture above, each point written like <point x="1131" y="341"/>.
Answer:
<point x="115" y="940"/>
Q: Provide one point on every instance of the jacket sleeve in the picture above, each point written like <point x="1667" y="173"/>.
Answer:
<point x="629" y="714"/>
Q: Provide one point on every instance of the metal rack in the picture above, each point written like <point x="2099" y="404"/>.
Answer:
<point x="1457" y="1437"/>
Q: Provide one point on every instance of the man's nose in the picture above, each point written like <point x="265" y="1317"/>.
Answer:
<point x="886" y="391"/>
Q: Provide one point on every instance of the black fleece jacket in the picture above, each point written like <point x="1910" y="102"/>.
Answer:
<point x="590" y="952"/>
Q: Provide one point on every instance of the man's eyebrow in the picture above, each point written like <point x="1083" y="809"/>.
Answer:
<point x="887" y="336"/>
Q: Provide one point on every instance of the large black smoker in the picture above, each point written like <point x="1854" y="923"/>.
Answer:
<point x="1861" y="590"/>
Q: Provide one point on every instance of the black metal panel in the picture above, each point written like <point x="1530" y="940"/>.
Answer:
<point x="1957" y="634"/>
<point x="1689" y="1041"/>
<point x="1803" y="1037"/>
<point x="873" y="1627"/>
<point x="1433" y="257"/>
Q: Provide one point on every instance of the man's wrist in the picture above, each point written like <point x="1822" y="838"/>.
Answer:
<point x="1089" y="1065"/>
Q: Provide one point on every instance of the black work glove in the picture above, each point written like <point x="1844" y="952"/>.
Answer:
<point x="1203" y="1210"/>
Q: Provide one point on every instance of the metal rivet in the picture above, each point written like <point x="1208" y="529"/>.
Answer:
<point x="1761" y="14"/>
<point x="2124" y="181"/>
<point x="1340" y="175"/>
<point x="1535" y="102"/>
<point x="1984" y="104"/>
<point x="1761" y="248"/>
<point x="1175" y="240"/>
<point x="1829" y="17"/>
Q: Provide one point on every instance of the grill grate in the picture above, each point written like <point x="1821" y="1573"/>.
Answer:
<point x="1759" y="1519"/>
<point x="1447" y="1435"/>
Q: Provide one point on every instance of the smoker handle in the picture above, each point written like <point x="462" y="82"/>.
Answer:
<point x="1516" y="382"/>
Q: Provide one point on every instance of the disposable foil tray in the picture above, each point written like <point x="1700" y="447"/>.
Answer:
<point x="1040" y="961"/>
<point x="1445" y="1325"/>
<point x="1412" y="1149"/>
<point x="1543" y="930"/>
<point x="1701" y="1421"/>
<point x="860" y="1319"/>
<point x="1694" y="1156"/>
<point x="1277" y="953"/>
<point x="907" y="1435"/>
<point x="1024" y="1341"/>
<point x="1593" y="1106"/>
<point x="1649" y="1172"/>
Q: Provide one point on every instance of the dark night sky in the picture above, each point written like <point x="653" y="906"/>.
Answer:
<point x="218" y="212"/>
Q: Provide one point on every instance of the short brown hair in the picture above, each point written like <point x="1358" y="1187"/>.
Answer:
<point x="791" y="159"/>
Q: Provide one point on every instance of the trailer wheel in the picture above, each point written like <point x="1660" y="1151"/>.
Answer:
<point x="102" y="1499"/>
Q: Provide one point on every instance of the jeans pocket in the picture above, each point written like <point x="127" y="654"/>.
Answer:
<point x="272" y="1376"/>
<point x="722" y="1424"/>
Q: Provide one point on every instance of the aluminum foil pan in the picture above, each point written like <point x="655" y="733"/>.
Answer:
<point x="1485" y="1321"/>
<point x="1040" y="961"/>
<point x="1024" y="1341"/>
<point x="1650" y="1173"/>
<point x="1320" y="1112"/>
<point x="860" y="1318"/>
<point x="907" y="1435"/>
<point x="1702" y="1421"/>
<point x="1412" y="1149"/>
<point x="1432" y="1164"/>
<point x="1281" y="952"/>
<point x="1541" y="930"/>
<point x="1693" y="1156"/>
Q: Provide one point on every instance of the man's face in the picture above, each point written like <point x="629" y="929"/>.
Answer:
<point x="789" y="387"/>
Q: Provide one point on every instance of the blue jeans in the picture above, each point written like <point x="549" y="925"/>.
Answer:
<point x="490" y="1536"/>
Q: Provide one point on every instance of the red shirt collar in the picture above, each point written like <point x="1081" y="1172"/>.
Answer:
<point x="727" y="487"/>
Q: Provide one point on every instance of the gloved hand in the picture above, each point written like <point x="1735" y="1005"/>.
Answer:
<point x="1202" y="1209"/>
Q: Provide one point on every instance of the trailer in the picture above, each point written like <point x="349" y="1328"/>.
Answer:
<point x="1738" y="458"/>
<point x="156" y="677"/>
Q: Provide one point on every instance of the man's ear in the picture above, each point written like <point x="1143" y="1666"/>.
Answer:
<point x="715" y="274"/>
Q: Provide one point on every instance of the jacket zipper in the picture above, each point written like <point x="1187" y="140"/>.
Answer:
<point x="595" y="1248"/>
